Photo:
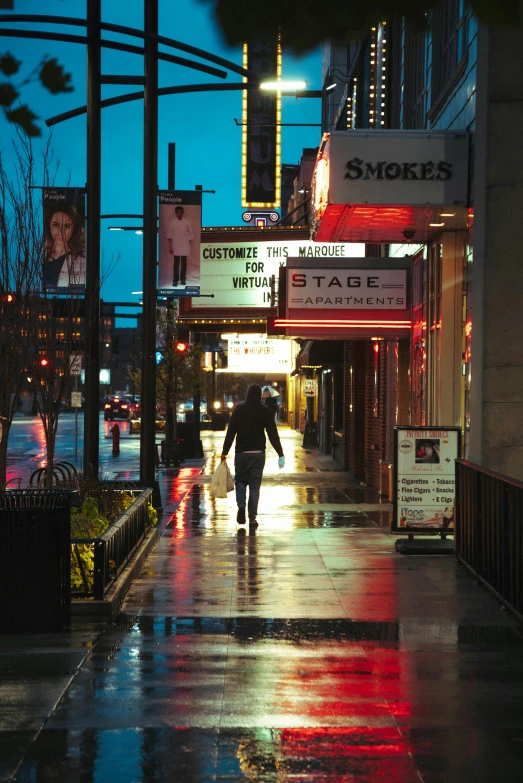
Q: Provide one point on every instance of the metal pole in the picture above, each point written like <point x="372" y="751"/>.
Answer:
<point x="92" y="326"/>
<point x="171" y="165"/>
<point x="150" y="191"/>
<point x="76" y="422"/>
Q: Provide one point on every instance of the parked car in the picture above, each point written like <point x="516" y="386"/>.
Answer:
<point x="118" y="408"/>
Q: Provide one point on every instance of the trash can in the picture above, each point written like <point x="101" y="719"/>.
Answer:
<point x="35" y="560"/>
<point x="218" y="421"/>
<point x="185" y="431"/>
<point x="310" y="437"/>
<point x="169" y="453"/>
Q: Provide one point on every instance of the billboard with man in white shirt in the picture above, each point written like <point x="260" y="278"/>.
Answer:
<point x="179" y="242"/>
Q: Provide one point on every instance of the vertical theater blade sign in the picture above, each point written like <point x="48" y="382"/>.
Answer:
<point x="261" y="118"/>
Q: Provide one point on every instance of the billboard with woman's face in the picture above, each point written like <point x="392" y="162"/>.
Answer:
<point x="64" y="240"/>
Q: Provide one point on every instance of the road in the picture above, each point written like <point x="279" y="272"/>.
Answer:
<point x="27" y="452"/>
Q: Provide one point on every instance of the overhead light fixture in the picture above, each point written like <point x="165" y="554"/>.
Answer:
<point x="331" y="86"/>
<point x="436" y="225"/>
<point x="136" y="293"/>
<point x="115" y="228"/>
<point x="447" y="214"/>
<point x="282" y="86"/>
<point x="139" y="232"/>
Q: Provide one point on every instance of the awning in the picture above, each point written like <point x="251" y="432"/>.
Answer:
<point x="390" y="186"/>
<point x="317" y="353"/>
<point x="376" y="223"/>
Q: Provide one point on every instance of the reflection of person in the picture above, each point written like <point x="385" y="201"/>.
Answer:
<point x="179" y="236"/>
<point x="249" y="422"/>
<point x="64" y="263"/>
<point x="427" y="451"/>
<point x="448" y="517"/>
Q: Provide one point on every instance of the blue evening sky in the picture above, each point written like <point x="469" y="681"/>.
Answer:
<point x="208" y="143"/>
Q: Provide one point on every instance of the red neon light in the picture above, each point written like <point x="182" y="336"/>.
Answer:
<point x="332" y="321"/>
<point x="376" y="347"/>
<point x="348" y="324"/>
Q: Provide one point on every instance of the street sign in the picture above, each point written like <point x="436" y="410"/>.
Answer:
<point x="425" y="480"/>
<point x="75" y="364"/>
<point x="309" y="387"/>
<point x="76" y="399"/>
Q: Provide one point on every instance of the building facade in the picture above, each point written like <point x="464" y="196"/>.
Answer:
<point x="463" y="362"/>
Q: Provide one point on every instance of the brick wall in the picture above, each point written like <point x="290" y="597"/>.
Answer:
<point x="351" y="446"/>
<point x="375" y="425"/>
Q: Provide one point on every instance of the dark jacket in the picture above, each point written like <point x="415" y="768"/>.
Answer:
<point x="249" y="422"/>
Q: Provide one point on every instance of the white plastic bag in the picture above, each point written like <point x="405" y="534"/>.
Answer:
<point x="222" y="481"/>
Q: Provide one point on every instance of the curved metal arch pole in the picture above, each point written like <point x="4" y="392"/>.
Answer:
<point x="131" y="31"/>
<point x="150" y="190"/>
<point x="136" y="96"/>
<point x="121" y="47"/>
<point x="94" y="198"/>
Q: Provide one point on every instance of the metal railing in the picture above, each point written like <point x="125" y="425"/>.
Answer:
<point x="114" y="548"/>
<point x="489" y="530"/>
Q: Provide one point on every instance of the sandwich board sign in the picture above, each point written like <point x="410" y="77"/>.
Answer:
<point x="425" y="479"/>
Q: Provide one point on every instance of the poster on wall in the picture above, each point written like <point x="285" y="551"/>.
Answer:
<point x="425" y="479"/>
<point x="64" y="240"/>
<point x="179" y="233"/>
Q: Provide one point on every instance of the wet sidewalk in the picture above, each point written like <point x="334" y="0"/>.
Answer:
<point x="305" y="650"/>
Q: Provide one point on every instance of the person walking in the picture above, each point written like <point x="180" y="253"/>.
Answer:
<point x="249" y="423"/>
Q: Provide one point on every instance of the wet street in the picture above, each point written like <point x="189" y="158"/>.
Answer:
<point x="305" y="650"/>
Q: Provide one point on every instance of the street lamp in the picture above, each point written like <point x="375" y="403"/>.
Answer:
<point x="283" y="86"/>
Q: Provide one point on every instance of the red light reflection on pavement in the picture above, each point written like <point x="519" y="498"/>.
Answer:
<point x="345" y="754"/>
<point x="181" y="484"/>
<point x="178" y="490"/>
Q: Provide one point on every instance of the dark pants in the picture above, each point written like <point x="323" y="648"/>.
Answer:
<point x="176" y="277"/>
<point x="249" y="472"/>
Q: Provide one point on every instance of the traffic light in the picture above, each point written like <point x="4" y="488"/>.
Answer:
<point x="183" y="334"/>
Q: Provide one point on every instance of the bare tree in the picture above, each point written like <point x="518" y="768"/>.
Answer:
<point x="40" y="335"/>
<point x="20" y="273"/>
<point x="58" y="345"/>
<point x="179" y="373"/>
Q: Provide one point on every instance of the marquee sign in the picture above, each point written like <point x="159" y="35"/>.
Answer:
<point x="261" y="131"/>
<point x="351" y="298"/>
<point x="256" y="353"/>
<point x="355" y="289"/>
<point x="239" y="274"/>
<point x="397" y="167"/>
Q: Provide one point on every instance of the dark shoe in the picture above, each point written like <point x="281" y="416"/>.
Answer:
<point x="253" y="523"/>
<point x="183" y="282"/>
<point x="240" y="516"/>
<point x="175" y="283"/>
